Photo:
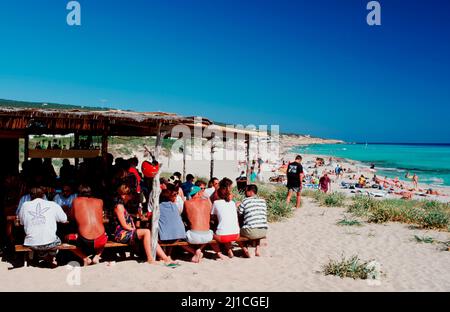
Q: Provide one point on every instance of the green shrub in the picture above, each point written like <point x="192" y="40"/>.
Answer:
<point x="379" y="216"/>
<point x="349" y="222"/>
<point x="435" y="218"/>
<point x="424" y="239"/>
<point x="334" y="199"/>
<point x="352" y="267"/>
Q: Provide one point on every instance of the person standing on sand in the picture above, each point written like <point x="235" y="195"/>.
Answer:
<point x="197" y="211"/>
<point x="414" y="178"/>
<point x="88" y="214"/>
<point x="294" y="180"/>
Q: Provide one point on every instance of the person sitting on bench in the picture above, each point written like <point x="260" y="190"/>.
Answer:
<point x="171" y="227"/>
<point x="253" y="210"/>
<point x="39" y="218"/>
<point x="88" y="214"/>
<point x="127" y="233"/>
<point x="197" y="211"/>
<point x="224" y="208"/>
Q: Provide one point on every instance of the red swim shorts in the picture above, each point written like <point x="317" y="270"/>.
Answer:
<point x="227" y="238"/>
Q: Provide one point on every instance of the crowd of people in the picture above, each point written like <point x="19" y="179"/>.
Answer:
<point x="97" y="202"/>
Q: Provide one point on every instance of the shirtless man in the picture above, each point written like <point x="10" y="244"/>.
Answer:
<point x="197" y="211"/>
<point x="88" y="214"/>
<point x="415" y="179"/>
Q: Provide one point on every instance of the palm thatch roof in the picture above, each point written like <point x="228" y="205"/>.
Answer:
<point x="23" y="120"/>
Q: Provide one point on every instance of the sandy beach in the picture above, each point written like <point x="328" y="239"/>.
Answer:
<point x="294" y="254"/>
<point x="295" y="251"/>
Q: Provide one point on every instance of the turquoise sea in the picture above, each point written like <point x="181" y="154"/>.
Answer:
<point x="431" y="162"/>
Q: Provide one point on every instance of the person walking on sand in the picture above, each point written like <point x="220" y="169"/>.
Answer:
<point x="294" y="180"/>
<point x="325" y="183"/>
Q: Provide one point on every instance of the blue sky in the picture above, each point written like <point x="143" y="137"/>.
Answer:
<point x="312" y="67"/>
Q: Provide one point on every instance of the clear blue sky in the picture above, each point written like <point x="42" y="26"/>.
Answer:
<point x="310" y="66"/>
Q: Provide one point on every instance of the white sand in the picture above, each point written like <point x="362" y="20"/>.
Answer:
<point x="295" y="252"/>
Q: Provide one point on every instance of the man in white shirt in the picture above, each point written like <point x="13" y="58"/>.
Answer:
<point x="39" y="218"/>
<point x="213" y="185"/>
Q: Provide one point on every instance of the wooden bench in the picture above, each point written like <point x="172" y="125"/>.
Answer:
<point x="28" y="252"/>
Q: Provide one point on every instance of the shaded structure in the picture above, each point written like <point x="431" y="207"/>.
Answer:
<point x="19" y="123"/>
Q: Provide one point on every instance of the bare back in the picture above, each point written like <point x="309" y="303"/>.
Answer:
<point x="88" y="213"/>
<point x="198" y="212"/>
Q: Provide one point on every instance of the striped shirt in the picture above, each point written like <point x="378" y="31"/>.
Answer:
<point x="254" y="211"/>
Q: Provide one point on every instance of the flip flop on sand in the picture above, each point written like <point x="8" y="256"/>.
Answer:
<point x="172" y="265"/>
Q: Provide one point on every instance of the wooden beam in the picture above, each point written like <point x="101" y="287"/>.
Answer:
<point x="184" y="158"/>
<point x="26" y="148"/>
<point x="156" y="190"/>
<point x="158" y="142"/>
<point x="211" y="165"/>
<point x="247" y="142"/>
<point x="104" y="144"/>
<point x="76" y="146"/>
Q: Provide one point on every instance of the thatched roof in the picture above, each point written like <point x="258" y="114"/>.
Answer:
<point x="114" y="122"/>
<point x="19" y="121"/>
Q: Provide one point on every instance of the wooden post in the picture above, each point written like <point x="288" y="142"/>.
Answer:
<point x="77" y="146"/>
<point x="158" y="142"/>
<point x="104" y="144"/>
<point x="184" y="159"/>
<point x="26" y="147"/>
<point x="156" y="190"/>
<point x="211" y="165"/>
<point x="247" y="142"/>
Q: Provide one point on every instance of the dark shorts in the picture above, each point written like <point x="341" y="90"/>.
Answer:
<point x="295" y="189"/>
<point x="92" y="246"/>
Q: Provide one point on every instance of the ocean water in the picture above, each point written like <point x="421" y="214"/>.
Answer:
<point x="431" y="162"/>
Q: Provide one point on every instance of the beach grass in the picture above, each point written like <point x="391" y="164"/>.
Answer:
<point x="349" y="222"/>
<point x="352" y="267"/>
<point x="275" y="197"/>
<point x="335" y="199"/>
<point x="424" y="239"/>
<point x="430" y="215"/>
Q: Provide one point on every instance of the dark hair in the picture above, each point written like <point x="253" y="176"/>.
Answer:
<point x="211" y="182"/>
<point x="177" y="174"/>
<point x="166" y="196"/>
<point x="122" y="189"/>
<point x="298" y="157"/>
<point x="224" y="193"/>
<point x="200" y="182"/>
<point x="251" y="188"/>
<point x="189" y="177"/>
<point x="36" y="192"/>
<point x="173" y="187"/>
<point x="84" y="191"/>
<point x="225" y="182"/>
<point x="133" y="161"/>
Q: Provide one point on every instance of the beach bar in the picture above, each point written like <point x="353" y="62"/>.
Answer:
<point x="20" y="123"/>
